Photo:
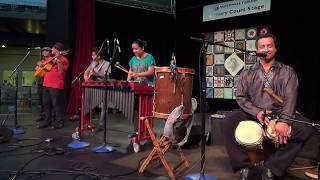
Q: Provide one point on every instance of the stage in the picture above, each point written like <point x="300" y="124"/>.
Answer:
<point x="29" y="156"/>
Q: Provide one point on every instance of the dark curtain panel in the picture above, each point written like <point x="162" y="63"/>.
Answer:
<point x="85" y="40"/>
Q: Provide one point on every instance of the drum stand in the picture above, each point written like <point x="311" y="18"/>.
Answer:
<point x="159" y="150"/>
<point x="76" y="143"/>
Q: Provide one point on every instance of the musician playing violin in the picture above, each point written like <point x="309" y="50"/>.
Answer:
<point x="53" y="84"/>
<point x="97" y="72"/>
<point x="256" y="104"/>
<point x="45" y="51"/>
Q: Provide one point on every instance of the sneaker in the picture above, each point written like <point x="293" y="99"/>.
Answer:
<point x="312" y="173"/>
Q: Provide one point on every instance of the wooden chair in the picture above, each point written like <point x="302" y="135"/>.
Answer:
<point x="159" y="150"/>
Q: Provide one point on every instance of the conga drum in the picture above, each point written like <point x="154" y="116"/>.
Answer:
<point x="172" y="88"/>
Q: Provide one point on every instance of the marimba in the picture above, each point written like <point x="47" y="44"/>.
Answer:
<point x="121" y="95"/>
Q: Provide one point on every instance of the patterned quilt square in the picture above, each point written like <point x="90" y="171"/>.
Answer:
<point x="262" y="30"/>
<point x="218" y="59"/>
<point x="218" y="49"/>
<point x="235" y="80"/>
<point x="227" y="93"/>
<point x="240" y="34"/>
<point x="209" y="70"/>
<point x="251" y="45"/>
<point x="234" y="64"/>
<point x="218" y="82"/>
<point x="228" y="81"/>
<point x="251" y="33"/>
<point x="219" y="36"/>
<point x="230" y="44"/>
<point x="209" y="81"/>
<point x="240" y="45"/>
<point x="209" y="93"/>
<point x="229" y="35"/>
<point x="219" y="70"/>
<point x="210" y="49"/>
<point x="218" y="93"/>
<point x="209" y="59"/>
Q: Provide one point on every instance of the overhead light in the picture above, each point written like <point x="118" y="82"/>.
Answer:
<point x="3" y="46"/>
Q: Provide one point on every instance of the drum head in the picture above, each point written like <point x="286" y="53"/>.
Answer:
<point x="249" y="132"/>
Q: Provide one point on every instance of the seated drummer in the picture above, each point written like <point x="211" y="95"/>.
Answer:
<point x="97" y="72"/>
<point x="141" y="64"/>
<point x="253" y="100"/>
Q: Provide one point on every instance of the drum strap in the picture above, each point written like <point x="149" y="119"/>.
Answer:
<point x="189" y="123"/>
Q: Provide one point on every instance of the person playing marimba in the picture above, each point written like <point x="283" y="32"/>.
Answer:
<point x="141" y="64"/>
<point x="97" y="72"/>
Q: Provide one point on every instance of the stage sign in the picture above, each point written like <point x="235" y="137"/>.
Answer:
<point x="234" y="8"/>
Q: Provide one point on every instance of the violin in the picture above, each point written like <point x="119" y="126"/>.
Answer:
<point x="47" y="66"/>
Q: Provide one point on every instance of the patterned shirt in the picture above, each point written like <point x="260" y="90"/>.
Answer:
<point x="281" y="78"/>
<point x="142" y="65"/>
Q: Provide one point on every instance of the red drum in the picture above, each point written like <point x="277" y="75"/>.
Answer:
<point x="172" y="88"/>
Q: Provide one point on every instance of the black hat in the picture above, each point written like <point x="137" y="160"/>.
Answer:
<point x="46" y="49"/>
<point x="58" y="46"/>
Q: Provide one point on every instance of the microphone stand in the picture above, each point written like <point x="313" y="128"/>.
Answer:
<point x="18" y="129"/>
<point x="286" y="117"/>
<point x="203" y="109"/>
<point x="105" y="148"/>
<point x="77" y="143"/>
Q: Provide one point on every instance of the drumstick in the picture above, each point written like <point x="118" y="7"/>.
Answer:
<point x="118" y="64"/>
<point x="121" y="68"/>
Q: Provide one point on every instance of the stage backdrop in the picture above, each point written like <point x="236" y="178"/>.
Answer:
<point x="225" y="64"/>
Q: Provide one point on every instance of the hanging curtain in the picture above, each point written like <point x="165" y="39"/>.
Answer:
<point x="84" y="42"/>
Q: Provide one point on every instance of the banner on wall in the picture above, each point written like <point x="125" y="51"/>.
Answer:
<point x="224" y="63"/>
<point x="234" y="8"/>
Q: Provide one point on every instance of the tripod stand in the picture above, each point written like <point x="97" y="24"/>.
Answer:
<point x="76" y="143"/>
<point x="105" y="148"/>
<point x="18" y="129"/>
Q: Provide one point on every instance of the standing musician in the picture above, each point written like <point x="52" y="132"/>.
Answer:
<point x="45" y="52"/>
<point x="53" y="88"/>
<point x="256" y="104"/>
<point x="97" y="72"/>
<point x="141" y="68"/>
<point x="141" y="64"/>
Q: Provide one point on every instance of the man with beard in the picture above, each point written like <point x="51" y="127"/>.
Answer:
<point x="257" y="105"/>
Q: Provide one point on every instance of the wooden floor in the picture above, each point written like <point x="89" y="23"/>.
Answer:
<point x="30" y="157"/>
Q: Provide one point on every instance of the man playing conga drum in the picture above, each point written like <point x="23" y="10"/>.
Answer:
<point x="255" y="103"/>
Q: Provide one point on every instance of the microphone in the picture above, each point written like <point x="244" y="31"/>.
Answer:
<point x="118" y="44"/>
<point x="197" y="39"/>
<point x="34" y="48"/>
<point x="108" y="50"/>
<point x="263" y="55"/>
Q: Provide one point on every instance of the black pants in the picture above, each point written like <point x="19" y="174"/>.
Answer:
<point x="52" y="104"/>
<point x="277" y="162"/>
<point x="40" y="92"/>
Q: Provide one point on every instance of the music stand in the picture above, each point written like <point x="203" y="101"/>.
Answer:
<point x="18" y="130"/>
<point x="105" y="148"/>
<point x="77" y="143"/>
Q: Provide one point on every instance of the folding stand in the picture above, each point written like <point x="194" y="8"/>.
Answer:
<point x="159" y="150"/>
